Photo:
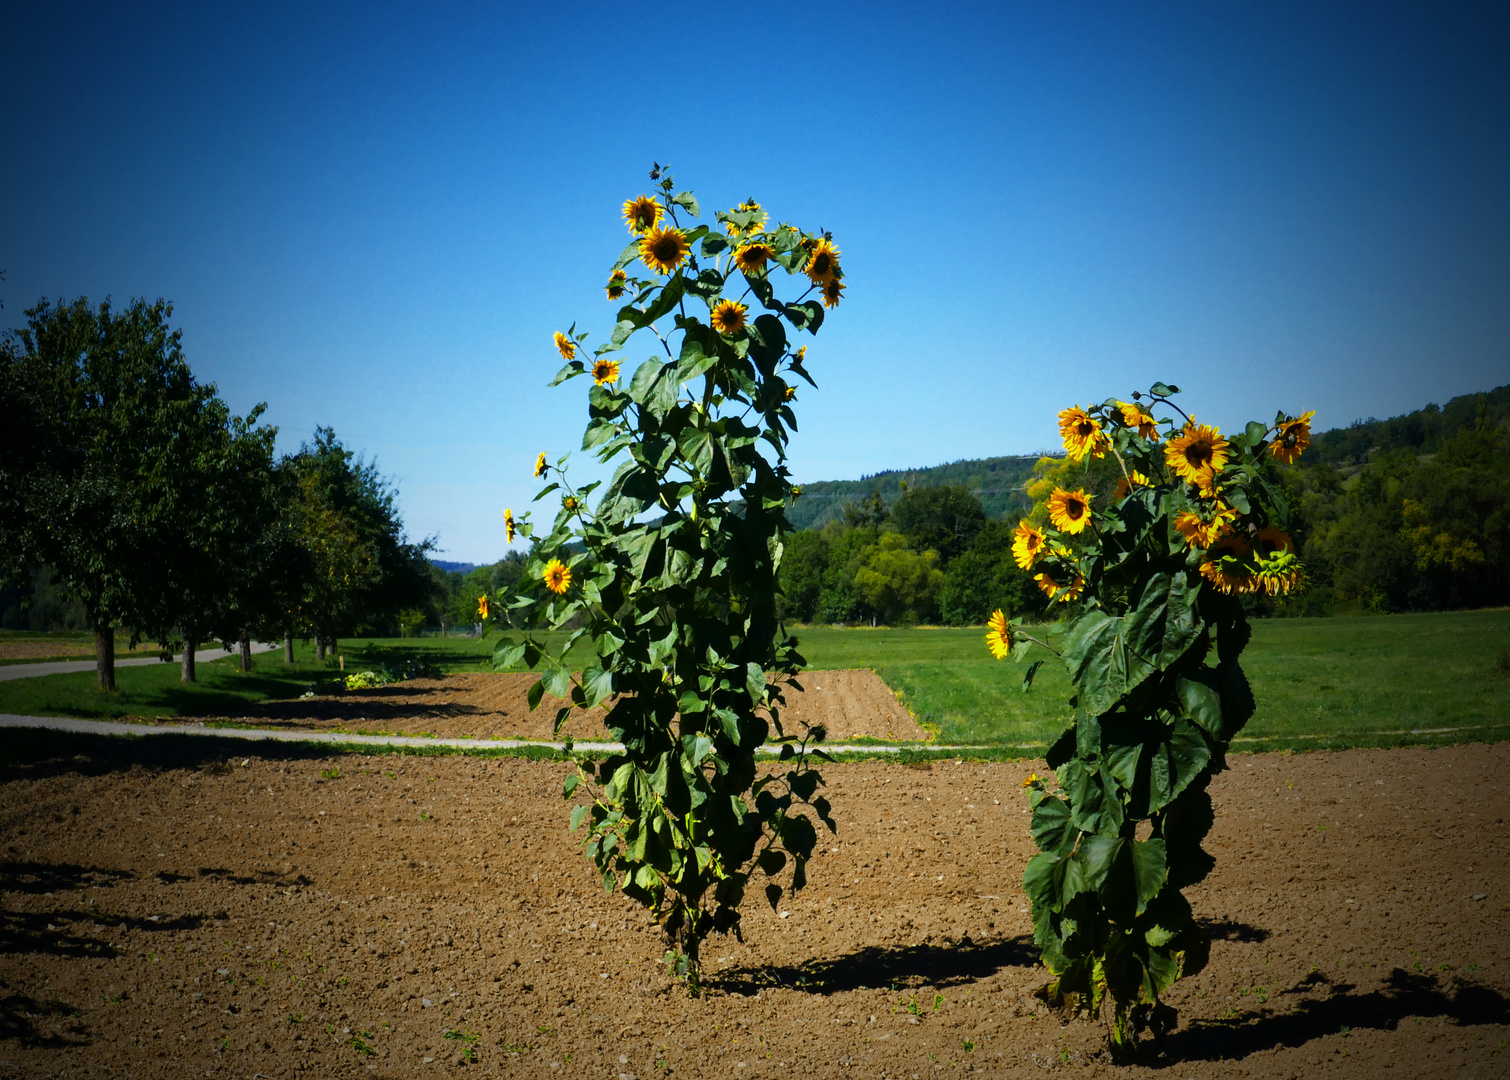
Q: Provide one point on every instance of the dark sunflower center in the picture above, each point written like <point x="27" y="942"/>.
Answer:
<point x="666" y="249"/>
<point x="1073" y="508"/>
<point x="1085" y="429"/>
<point x="823" y="263"/>
<point x="1198" y="455"/>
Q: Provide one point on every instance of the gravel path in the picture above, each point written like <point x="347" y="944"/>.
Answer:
<point x="64" y="667"/>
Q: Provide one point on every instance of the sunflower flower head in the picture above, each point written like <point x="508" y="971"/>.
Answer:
<point x="605" y="371"/>
<point x="757" y="223"/>
<point x="540" y="465"/>
<point x="566" y="346"/>
<point x="1070" y="511"/>
<point x="1063" y="591"/>
<point x="663" y="250"/>
<point x="569" y="503"/>
<point x="1225" y="565"/>
<point x="833" y="292"/>
<point x="482" y="608"/>
<point x="999" y="635"/>
<point x="617" y="282"/>
<point x="1291" y="438"/>
<point x="642" y="214"/>
<point x="789" y="393"/>
<point x="1135" y="416"/>
<point x="750" y="259"/>
<point x="1132" y="480"/>
<point x="728" y="317"/>
<point x="557" y="576"/>
<point x="1081" y="433"/>
<point x="822" y="262"/>
<point x="1033" y="781"/>
<point x="1202" y="533"/>
<point x="510" y="530"/>
<point x="1271" y="541"/>
<point x="1027" y="542"/>
<point x="1197" y="454"/>
<point x="1279" y="569"/>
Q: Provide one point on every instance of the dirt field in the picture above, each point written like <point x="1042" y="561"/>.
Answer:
<point x="169" y="913"/>
<point x="852" y="704"/>
<point x="43" y="650"/>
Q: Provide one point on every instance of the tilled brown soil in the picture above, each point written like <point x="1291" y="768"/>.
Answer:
<point x="167" y="916"/>
<point x="850" y="704"/>
<point x="39" y="650"/>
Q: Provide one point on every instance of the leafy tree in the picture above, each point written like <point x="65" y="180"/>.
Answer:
<point x="115" y="401"/>
<point x="215" y="508"/>
<point x="870" y="510"/>
<point x="939" y="519"/>
<point x="900" y="584"/>
<point x="986" y="578"/>
<point x="802" y="567"/>
<point x="360" y="568"/>
<point x="840" y="601"/>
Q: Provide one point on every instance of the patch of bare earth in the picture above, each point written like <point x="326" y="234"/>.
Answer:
<point x="271" y="918"/>
<point x="44" y="650"/>
<point x="850" y="704"/>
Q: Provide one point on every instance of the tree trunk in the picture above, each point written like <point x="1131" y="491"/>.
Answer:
<point x="331" y="645"/>
<point x="320" y="647"/>
<point x="288" y="646"/>
<point x="246" y="653"/>
<point x="187" y="674"/>
<point x="104" y="656"/>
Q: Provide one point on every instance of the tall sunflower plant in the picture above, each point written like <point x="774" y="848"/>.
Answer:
<point x="670" y="569"/>
<point x="1151" y="586"/>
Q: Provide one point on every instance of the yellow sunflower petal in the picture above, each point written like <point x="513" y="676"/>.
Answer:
<point x="642" y="214"/>
<point x="557" y="576"/>
<point x="1069" y="511"/>
<point x="663" y="250"/>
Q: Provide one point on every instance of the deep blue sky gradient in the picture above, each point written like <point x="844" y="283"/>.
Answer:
<point x="373" y="217"/>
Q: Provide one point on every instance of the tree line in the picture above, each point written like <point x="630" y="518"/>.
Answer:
<point x="165" y="515"/>
<point x="1406" y="514"/>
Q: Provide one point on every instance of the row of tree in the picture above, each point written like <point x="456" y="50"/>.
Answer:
<point x="1406" y="514"/>
<point x="168" y="516"/>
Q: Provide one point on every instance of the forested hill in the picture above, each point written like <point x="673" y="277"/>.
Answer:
<point x="996" y="481"/>
<point x="1422" y="431"/>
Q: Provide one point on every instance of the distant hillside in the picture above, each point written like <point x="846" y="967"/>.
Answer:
<point x="454" y="567"/>
<point x="997" y="481"/>
<point x="1422" y="430"/>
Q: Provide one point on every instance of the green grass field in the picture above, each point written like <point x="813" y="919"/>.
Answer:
<point x="1360" y="681"/>
<point x="1320" y="683"/>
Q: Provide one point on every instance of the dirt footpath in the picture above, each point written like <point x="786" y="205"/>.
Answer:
<point x="400" y="916"/>
<point x="851" y="704"/>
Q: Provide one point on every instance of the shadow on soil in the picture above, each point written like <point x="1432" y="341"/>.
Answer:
<point x="19" y="1016"/>
<point x="1403" y="996"/>
<point x="71" y="932"/>
<point x="34" y="753"/>
<point x="910" y="966"/>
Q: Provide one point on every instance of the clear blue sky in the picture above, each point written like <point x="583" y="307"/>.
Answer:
<point x="373" y="217"/>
